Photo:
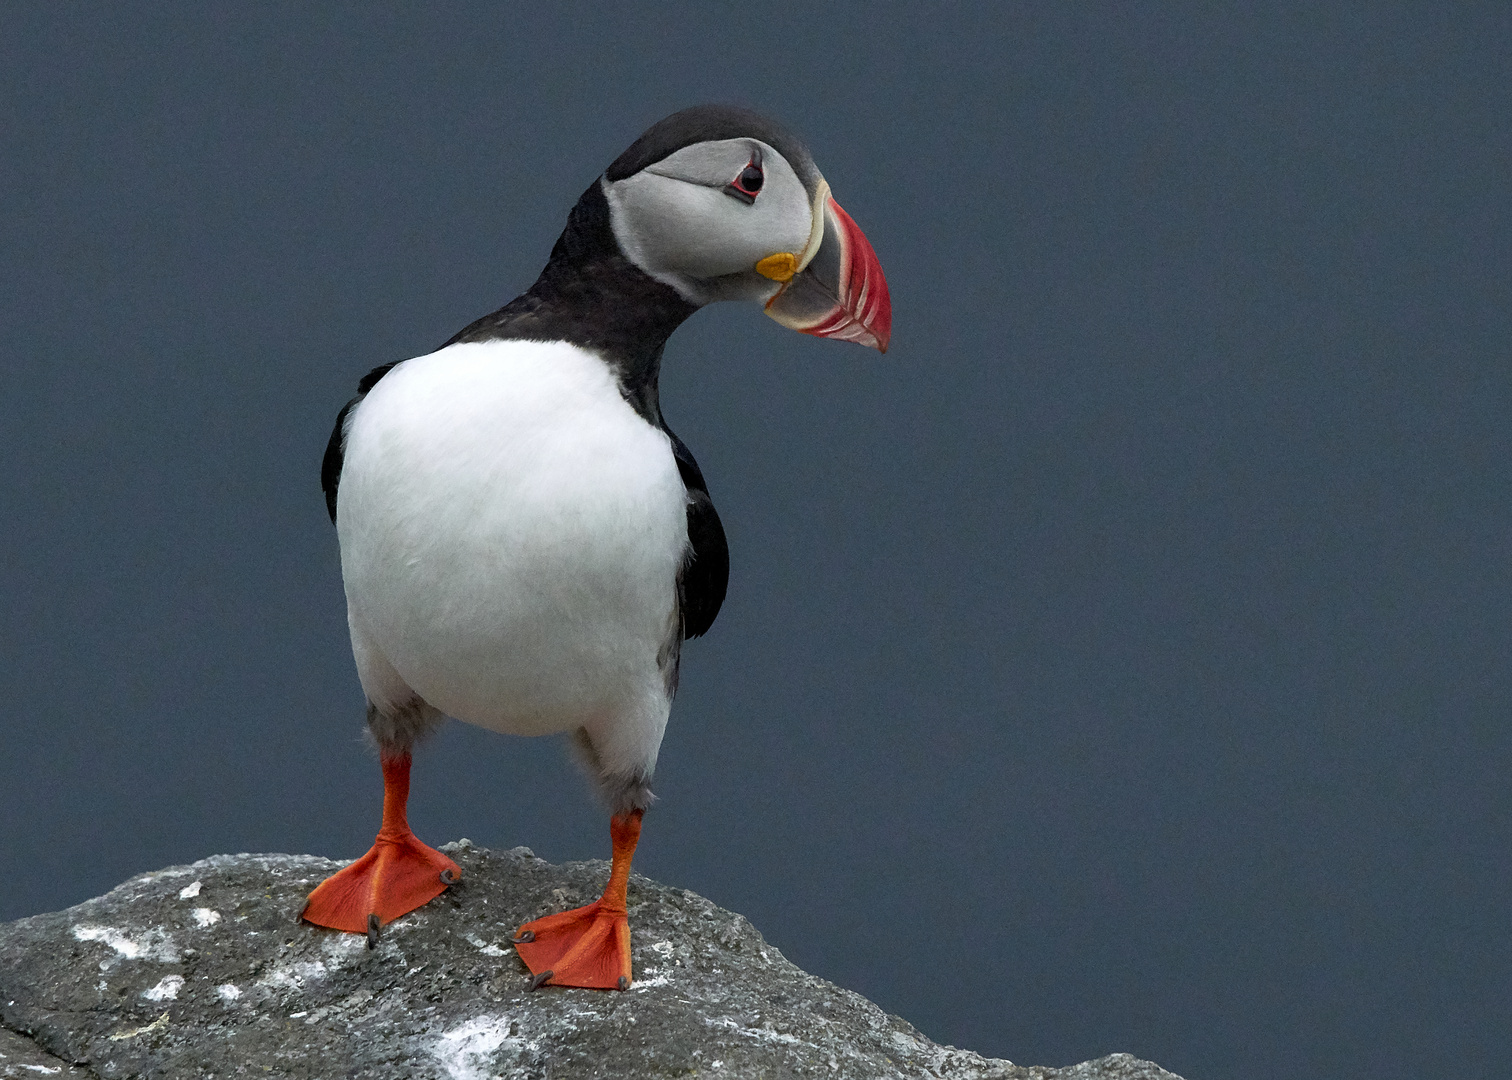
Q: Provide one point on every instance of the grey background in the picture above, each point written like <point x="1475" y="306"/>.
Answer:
<point x="1119" y="663"/>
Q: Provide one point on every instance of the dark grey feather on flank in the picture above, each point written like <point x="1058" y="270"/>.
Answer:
<point x="619" y="792"/>
<point x="396" y="728"/>
<point x="669" y="656"/>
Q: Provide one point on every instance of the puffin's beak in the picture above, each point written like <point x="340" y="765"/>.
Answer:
<point x="839" y="292"/>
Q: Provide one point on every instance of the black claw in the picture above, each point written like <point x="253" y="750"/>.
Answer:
<point x="300" y="917"/>
<point x="538" y="981"/>
<point x="525" y="935"/>
<point x="372" y="931"/>
<point x="624" y="982"/>
<point x="449" y="878"/>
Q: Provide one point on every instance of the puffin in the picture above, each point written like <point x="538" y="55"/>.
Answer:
<point x="525" y="543"/>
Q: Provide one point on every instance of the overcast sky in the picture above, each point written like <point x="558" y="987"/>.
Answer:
<point x="1119" y="663"/>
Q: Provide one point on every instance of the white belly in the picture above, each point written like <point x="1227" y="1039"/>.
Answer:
<point x="511" y="532"/>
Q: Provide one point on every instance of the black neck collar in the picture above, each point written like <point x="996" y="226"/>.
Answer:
<point x="592" y="296"/>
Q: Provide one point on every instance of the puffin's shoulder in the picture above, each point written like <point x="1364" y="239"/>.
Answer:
<point x="452" y="358"/>
<point x="512" y="372"/>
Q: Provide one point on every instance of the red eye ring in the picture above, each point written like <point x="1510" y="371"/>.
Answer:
<point x="747" y="185"/>
<point x="750" y="180"/>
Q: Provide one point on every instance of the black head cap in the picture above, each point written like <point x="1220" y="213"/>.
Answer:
<point x="708" y="123"/>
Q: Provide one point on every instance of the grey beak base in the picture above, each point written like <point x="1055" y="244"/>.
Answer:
<point x="813" y="294"/>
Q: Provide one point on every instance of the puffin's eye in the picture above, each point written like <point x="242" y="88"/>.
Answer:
<point x="747" y="185"/>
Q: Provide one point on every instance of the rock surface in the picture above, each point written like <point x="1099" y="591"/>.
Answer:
<point x="203" y="970"/>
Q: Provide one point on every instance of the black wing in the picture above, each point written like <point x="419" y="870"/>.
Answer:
<point x="706" y="575"/>
<point x="330" y="465"/>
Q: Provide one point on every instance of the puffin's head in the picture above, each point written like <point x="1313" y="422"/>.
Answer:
<point x="722" y="204"/>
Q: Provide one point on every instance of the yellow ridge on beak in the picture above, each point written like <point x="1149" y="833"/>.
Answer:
<point x="779" y="267"/>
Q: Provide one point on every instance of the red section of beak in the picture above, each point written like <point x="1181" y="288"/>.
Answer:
<point x="864" y="314"/>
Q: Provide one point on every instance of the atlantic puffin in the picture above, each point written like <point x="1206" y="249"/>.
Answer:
<point x="525" y="543"/>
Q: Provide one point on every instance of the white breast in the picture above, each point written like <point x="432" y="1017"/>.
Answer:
<point x="511" y="532"/>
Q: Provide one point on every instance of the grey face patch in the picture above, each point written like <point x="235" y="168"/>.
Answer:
<point x="712" y="164"/>
<point x="677" y="221"/>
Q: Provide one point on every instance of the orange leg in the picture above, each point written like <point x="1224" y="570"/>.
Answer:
<point x="587" y="946"/>
<point x="396" y="876"/>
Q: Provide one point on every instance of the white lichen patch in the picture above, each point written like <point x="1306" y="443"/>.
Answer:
<point x="204" y="917"/>
<point x="905" y="1044"/>
<point x="339" y="947"/>
<point x="470" y="1051"/>
<point x="293" y="976"/>
<point x="488" y="950"/>
<point x="228" y="992"/>
<point x="167" y="989"/>
<point x="663" y="949"/>
<point x="141" y="881"/>
<point x="153" y="944"/>
<point x="649" y="978"/>
<point x="191" y="890"/>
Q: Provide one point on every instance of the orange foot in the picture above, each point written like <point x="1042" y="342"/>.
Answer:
<point x="397" y="875"/>
<point x="588" y="946"/>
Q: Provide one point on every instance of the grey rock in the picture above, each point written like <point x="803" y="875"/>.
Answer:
<point x="204" y="970"/>
<point x="19" y="1057"/>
